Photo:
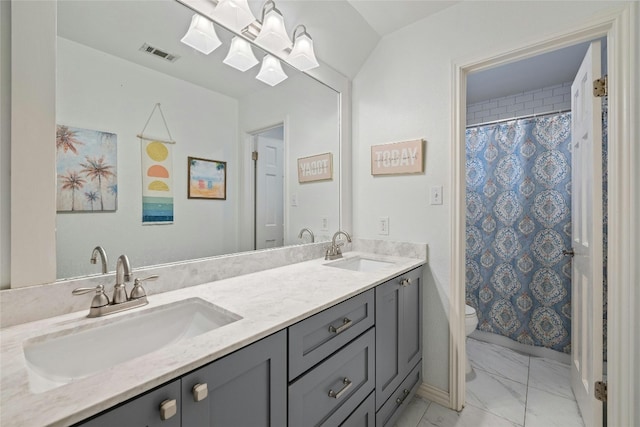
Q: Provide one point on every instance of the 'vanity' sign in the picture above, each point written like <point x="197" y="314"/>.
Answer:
<point x="397" y="158"/>
<point x="315" y="168"/>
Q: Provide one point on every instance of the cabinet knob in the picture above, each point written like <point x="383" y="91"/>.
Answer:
<point x="200" y="392"/>
<point x="168" y="409"/>
<point x="405" y="282"/>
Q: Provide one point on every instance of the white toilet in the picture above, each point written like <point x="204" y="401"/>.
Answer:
<point x="470" y="324"/>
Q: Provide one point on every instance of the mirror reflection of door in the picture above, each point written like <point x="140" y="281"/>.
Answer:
<point x="269" y="188"/>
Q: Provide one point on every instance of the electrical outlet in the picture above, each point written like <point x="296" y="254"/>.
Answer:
<point x="294" y="199"/>
<point x="436" y="195"/>
<point x="324" y="224"/>
<point x="383" y="225"/>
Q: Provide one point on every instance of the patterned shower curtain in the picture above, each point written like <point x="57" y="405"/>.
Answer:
<point x="518" y="221"/>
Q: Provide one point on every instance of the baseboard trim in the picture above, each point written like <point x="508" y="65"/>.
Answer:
<point x="434" y="394"/>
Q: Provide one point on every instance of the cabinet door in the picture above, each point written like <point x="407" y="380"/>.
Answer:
<point x="245" y="388"/>
<point x="398" y="331"/>
<point x="144" y="410"/>
<point x="388" y="324"/>
<point x="411" y="331"/>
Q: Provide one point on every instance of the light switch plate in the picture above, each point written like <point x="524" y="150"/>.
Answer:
<point x="324" y="224"/>
<point x="294" y="199"/>
<point x="436" y="195"/>
<point x="383" y="225"/>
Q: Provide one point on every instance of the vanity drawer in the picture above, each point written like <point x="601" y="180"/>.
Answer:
<point x="315" y="338"/>
<point x="400" y="398"/>
<point x="364" y="415"/>
<point x="326" y="395"/>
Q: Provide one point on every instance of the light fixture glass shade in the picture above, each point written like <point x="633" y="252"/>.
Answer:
<point x="302" y="55"/>
<point x="271" y="71"/>
<point x="234" y="14"/>
<point x="273" y="35"/>
<point x="201" y="35"/>
<point x="240" y="55"/>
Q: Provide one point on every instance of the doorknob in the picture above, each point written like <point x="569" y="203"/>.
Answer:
<point x="569" y="252"/>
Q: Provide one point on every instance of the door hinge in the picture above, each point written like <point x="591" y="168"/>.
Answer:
<point x="254" y="155"/>
<point x="600" y="87"/>
<point x="601" y="391"/>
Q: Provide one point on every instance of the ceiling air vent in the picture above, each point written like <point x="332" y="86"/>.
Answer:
<point x="159" y="53"/>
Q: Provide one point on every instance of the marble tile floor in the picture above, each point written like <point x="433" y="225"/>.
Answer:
<point x="508" y="389"/>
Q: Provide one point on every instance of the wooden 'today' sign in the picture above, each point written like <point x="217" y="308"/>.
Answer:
<point x="397" y="158"/>
<point x="315" y="168"/>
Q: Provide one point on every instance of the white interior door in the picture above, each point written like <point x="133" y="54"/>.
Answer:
<point x="586" y="213"/>
<point x="269" y="191"/>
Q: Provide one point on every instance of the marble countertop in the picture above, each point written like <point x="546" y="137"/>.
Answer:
<point x="267" y="301"/>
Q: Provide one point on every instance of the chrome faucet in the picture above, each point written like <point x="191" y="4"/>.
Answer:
<point x="333" y="251"/>
<point x="100" y="304"/>
<point x="99" y="250"/>
<point x="123" y="275"/>
<point x="313" y="239"/>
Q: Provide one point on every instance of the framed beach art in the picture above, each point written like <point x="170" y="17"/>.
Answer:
<point x="207" y="179"/>
<point x="86" y="169"/>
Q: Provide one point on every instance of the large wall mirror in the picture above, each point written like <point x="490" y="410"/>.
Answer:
<point x="105" y="82"/>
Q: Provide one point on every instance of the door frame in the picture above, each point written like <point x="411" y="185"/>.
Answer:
<point x="247" y="201"/>
<point x="618" y="26"/>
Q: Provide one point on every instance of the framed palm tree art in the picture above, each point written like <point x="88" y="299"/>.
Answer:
<point x="86" y="167"/>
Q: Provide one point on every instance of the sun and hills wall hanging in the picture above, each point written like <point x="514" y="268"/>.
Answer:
<point x="86" y="168"/>
<point x="157" y="176"/>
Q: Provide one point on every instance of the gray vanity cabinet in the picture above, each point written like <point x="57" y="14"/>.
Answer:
<point x="332" y="390"/>
<point x="398" y="332"/>
<point x="364" y="415"/>
<point x="245" y="388"/>
<point x="147" y="410"/>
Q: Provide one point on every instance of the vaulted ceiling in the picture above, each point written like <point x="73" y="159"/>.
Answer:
<point x="345" y="32"/>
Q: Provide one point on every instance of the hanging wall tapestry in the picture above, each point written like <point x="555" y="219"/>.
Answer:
<point x="86" y="170"/>
<point x="157" y="176"/>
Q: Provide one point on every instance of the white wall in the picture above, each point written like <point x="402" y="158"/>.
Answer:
<point x="310" y="111"/>
<point x="102" y="92"/>
<point x="5" y="143"/>
<point x="403" y="92"/>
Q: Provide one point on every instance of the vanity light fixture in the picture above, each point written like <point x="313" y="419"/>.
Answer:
<point x="302" y="55"/>
<point x="201" y="35"/>
<point x="271" y="71"/>
<point x="273" y="35"/>
<point x="234" y="14"/>
<point x="240" y="55"/>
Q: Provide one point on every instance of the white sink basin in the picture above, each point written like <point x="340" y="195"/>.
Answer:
<point x="365" y="265"/>
<point x="60" y="358"/>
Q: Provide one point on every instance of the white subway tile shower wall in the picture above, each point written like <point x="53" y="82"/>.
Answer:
<point x="539" y="101"/>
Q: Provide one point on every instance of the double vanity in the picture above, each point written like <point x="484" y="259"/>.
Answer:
<point x="312" y="343"/>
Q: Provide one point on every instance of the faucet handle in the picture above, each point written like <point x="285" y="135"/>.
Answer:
<point x="138" y="291"/>
<point x="99" y="300"/>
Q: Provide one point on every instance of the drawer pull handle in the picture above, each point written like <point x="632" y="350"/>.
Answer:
<point x="347" y="385"/>
<point x="346" y="324"/>
<point x="405" y="282"/>
<point x="401" y="400"/>
<point x="168" y="409"/>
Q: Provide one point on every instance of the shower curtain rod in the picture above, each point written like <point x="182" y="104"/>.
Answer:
<point x="528" y="116"/>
